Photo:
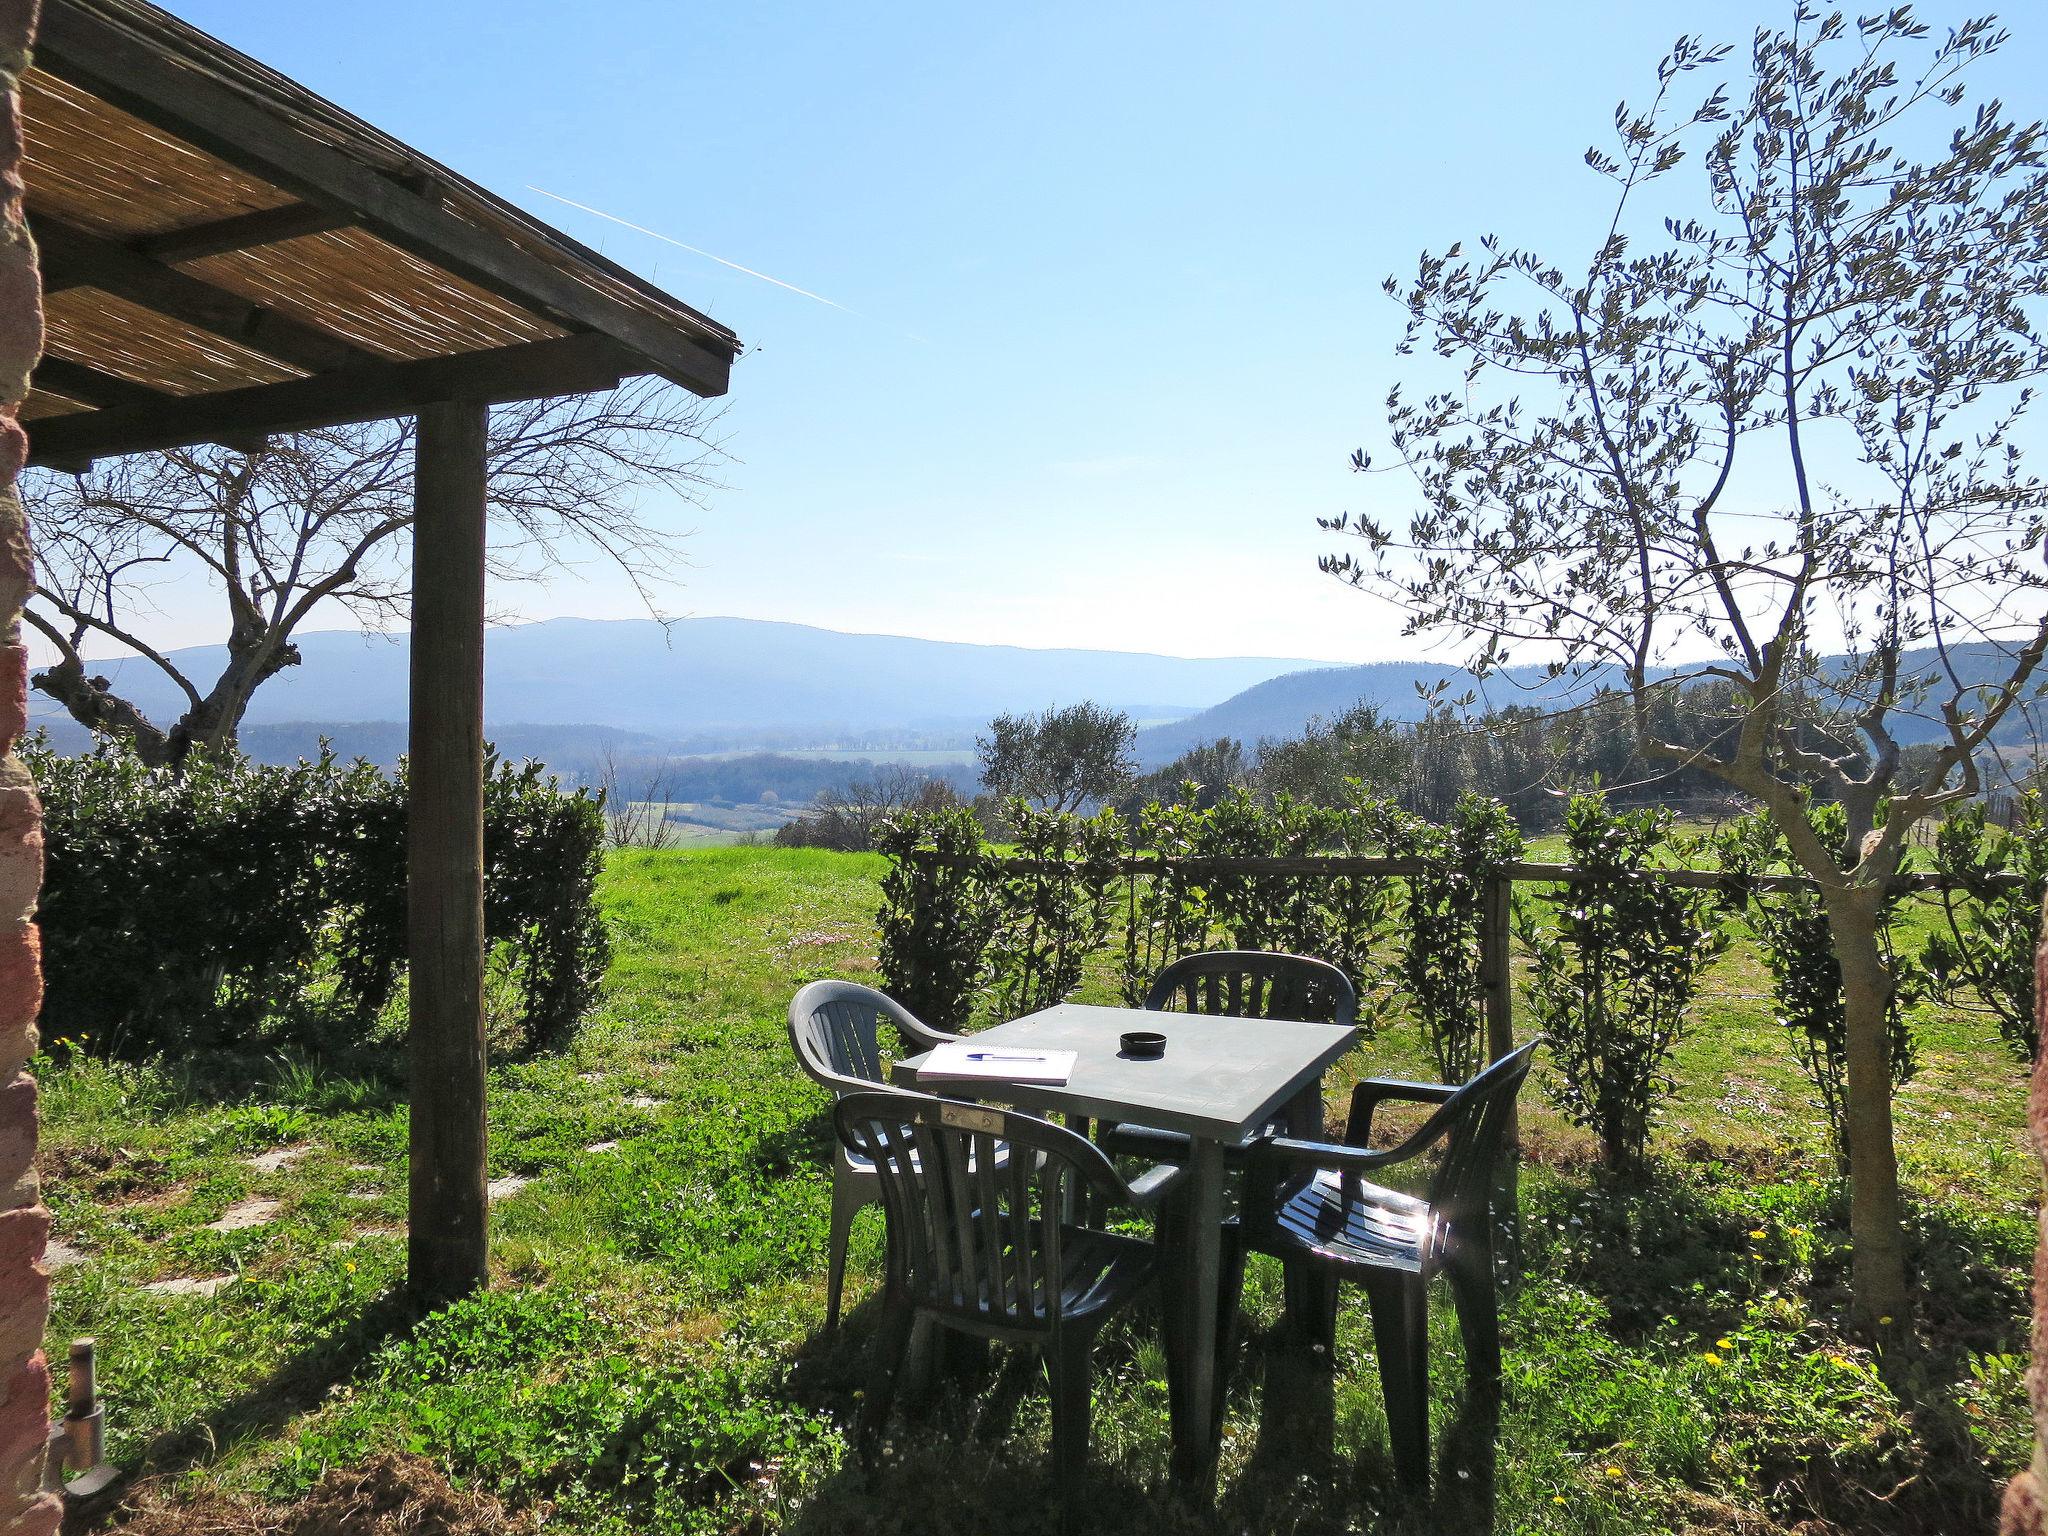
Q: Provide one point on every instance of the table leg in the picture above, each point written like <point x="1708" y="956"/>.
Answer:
<point x="1305" y="1111"/>
<point x="1199" y="1414"/>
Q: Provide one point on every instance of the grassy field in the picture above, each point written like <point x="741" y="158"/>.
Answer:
<point x="648" y="1358"/>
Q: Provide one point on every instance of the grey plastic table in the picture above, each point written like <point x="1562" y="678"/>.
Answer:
<point x="1220" y="1080"/>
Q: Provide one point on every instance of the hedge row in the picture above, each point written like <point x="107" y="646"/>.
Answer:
<point x="243" y="904"/>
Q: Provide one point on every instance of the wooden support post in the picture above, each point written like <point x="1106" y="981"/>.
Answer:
<point x="446" y="1241"/>
<point x="1497" y="980"/>
<point x="1496" y="975"/>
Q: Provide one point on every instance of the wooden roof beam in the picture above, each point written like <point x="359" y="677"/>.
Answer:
<point x="71" y="258"/>
<point x="75" y="381"/>
<point x="119" y="68"/>
<point x="243" y="231"/>
<point x="566" y="365"/>
<point x="107" y="391"/>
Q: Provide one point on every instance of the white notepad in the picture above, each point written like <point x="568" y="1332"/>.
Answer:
<point x="961" y="1059"/>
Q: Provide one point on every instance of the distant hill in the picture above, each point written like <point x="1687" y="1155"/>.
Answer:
<point x="1281" y="706"/>
<point x="737" y="678"/>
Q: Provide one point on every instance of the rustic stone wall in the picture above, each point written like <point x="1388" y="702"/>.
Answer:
<point x="24" y="1224"/>
<point x="2025" y="1512"/>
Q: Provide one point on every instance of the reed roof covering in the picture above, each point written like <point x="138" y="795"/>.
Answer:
<point x="226" y="254"/>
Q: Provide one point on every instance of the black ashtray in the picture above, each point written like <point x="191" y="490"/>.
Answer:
<point x="1144" y="1043"/>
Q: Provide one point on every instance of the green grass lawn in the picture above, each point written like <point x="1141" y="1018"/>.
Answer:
<point x="648" y="1357"/>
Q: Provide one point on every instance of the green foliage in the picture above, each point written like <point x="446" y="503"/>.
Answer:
<point x="237" y="903"/>
<point x="499" y="1387"/>
<point x="1616" y="974"/>
<point x="936" y="916"/>
<point x="962" y="925"/>
<point x="1169" y="913"/>
<point x="1060" y="759"/>
<point x="1986" y="949"/>
<point x="1055" y="911"/>
<point x="1445" y="918"/>
<point x="1339" y="918"/>
<point x="1799" y="951"/>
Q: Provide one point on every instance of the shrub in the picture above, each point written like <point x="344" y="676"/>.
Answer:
<point x="1616" y="974"/>
<point x="1791" y="926"/>
<point x="1052" y="917"/>
<point x="849" y="818"/>
<point x="1442" y="951"/>
<point x="187" y="910"/>
<point x="1339" y="918"/>
<point x="239" y="903"/>
<point x="1986" y="945"/>
<point x="936" y="914"/>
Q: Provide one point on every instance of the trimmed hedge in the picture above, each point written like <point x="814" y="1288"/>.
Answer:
<point x="238" y="903"/>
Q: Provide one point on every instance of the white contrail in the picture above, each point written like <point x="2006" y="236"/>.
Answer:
<point x="694" y="250"/>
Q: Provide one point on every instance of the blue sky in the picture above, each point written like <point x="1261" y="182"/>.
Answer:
<point x="1111" y="273"/>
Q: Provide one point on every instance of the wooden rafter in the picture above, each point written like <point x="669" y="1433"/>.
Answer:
<point x="568" y="365"/>
<point x="243" y="231"/>
<point x="74" y="259"/>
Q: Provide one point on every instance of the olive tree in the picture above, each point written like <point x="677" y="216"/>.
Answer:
<point x="1776" y="414"/>
<point x="1059" y="759"/>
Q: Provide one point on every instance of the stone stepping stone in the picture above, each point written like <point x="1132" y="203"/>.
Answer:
<point x="602" y="1146"/>
<point x="511" y="1184"/>
<point x="59" y="1254"/>
<point x="365" y="1192"/>
<point x="244" y="1214"/>
<point x="642" y="1101"/>
<point x="277" y="1160"/>
<point x="188" y="1286"/>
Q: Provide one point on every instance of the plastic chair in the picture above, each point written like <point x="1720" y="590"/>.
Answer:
<point x="836" y="1029"/>
<point x="1245" y="984"/>
<point x="979" y="1242"/>
<point x="1308" y="1204"/>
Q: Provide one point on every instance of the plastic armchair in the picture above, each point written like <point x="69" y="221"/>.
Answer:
<point x="981" y="1242"/>
<point x="1311" y="1205"/>
<point x="836" y="1030"/>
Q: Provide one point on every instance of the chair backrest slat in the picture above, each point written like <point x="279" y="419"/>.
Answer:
<point x="1255" y="984"/>
<point x="967" y="1236"/>
<point x="836" y="1029"/>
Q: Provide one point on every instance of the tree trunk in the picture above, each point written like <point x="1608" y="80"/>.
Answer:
<point x="1879" y="1273"/>
<point x="2024" y="1512"/>
<point x="92" y="702"/>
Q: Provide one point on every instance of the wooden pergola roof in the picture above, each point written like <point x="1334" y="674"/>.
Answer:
<point x="227" y="255"/>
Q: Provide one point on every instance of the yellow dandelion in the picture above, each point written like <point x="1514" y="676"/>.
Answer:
<point x="1759" y="1234"/>
<point x="1724" y="1343"/>
<point x="1557" y="1498"/>
<point x="1711" y="1358"/>
<point x="351" y="1266"/>
<point x="1616" y="1472"/>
